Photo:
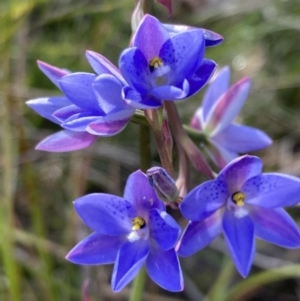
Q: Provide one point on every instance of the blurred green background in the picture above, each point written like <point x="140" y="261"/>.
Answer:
<point x="38" y="224"/>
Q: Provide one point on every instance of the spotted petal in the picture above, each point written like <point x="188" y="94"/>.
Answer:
<point x="105" y="213"/>
<point x="96" y="249"/>
<point x="138" y="101"/>
<point x="239" y="236"/>
<point x="163" y="229"/>
<point x="46" y="106"/>
<point x="276" y="226"/>
<point x="203" y="200"/>
<point x="130" y="259"/>
<point x="135" y="69"/>
<point x="198" y="235"/>
<point x="201" y="76"/>
<point x="150" y="36"/>
<point x="139" y="193"/>
<point x="164" y="269"/>
<point x="238" y="171"/>
<point x="183" y="54"/>
<point x="66" y="141"/>
<point x="272" y="190"/>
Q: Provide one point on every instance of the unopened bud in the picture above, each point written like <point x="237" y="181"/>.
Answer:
<point x="163" y="184"/>
<point x="137" y="16"/>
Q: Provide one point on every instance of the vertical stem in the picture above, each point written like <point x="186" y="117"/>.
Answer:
<point x="6" y="204"/>
<point x="154" y="118"/>
<point x="145" y="148"/>
<point x="145" y="161"/>
<point x="185" y="141"/>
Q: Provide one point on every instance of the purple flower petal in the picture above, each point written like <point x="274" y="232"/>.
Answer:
<point x="228" y="106"/>
<point x="108" y="90"/>
<point x="219" y="155"/>
<point x="215" y="90"/>
<point x="135" y="69"/>
<point x="211" y="38"/>
<point x="164" y="269"/>
<point x="163" y="229"/>
<point x="271" y="190"/>
<point x="130" y="259"/>
<point x="238" y="171"/>
<point x="101" y="65"/>
<point x="150" y="36"/>
<point x="110" y="124"/>
<point x="143" y="197"/>
<point x="183" y="53"/>
<point x="242" y="139"/>
<point x="203" y="200"/>
<point x="201" y="76"/>
<point x="78" y="88"/>
<point x="52" y="72"/>
<point x="46" y="106"/>
<point x="105" y="213"/>
<point x="67" y="112"/>
<point x="239" y="236"/>
<point x="276" y="226"/>
<point x="79" y="122"/>
<point x="96" y="249"/>
<point x="138" y="101"/>
<point x="198" y="235"/>
<point x="66" y="141"/>
<point x="171" y="92"/>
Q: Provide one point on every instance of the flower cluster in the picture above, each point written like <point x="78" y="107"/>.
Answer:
<point x="165" y="63"/>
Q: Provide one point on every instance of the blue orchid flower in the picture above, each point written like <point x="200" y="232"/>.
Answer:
<point x="242" y="203"/>
<point x="131" y="232"/>
<point x="220" y="106"/>
<point x="163" y="65"/>
<point x="92" y="105"/>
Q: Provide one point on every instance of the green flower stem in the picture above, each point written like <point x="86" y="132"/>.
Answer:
<point x="145" y="163"/>
<point x="145" y="148"/>
<point x="240" y="290"/>
<point x="194" y="154"/>
<point x="138" y="286"/>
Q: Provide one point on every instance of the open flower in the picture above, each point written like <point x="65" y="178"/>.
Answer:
<point x="221" y="105"/>
<point x="130" y="232"/>
<point x="92" y="105"/>
<point x="242" y="203"/>
<point x="162" y="65"/>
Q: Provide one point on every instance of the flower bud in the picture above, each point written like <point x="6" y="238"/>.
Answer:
<point x="163" y="184"/>
<point x="137" y="16"/>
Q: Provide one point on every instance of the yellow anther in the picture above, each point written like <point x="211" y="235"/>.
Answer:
<point x="238" y="198"/>
<point x="138" y="223"/>
<point x="155" y="63"/>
